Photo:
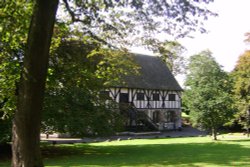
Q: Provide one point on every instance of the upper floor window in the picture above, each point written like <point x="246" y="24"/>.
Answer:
<point x="171" y="97"/>
<point x="140" y="96"/>
<point x="156" y="97"/>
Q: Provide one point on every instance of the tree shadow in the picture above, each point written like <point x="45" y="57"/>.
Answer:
<point x="196" y="154"/>
<point x="235" y="140"/>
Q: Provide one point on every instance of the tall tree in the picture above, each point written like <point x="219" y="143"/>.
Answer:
<point x="27" y="120"/>
<point x="241" y="76"/>
<point x="208" y="93"/>
<point x="107" y="21"/>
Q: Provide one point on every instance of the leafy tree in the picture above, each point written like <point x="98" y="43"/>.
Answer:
<point x="14" y="23"/>
<point x="208" y="93"/>
<point x="171" y="53"/>
<point x="78" y="72"/>
<point x="106" y="21"/>
<point x="241" y="76"/>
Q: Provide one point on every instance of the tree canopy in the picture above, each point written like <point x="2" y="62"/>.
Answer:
<point x="78" y="72"/>
<point x="137" y="21"/>
<point x="209" y="88"/>
<point x="241" y="77"/>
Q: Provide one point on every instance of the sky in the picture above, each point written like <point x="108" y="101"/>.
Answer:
<point x="225" y="37"/>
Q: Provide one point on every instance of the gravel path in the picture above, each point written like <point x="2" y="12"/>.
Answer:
<point x="186" y="132"/>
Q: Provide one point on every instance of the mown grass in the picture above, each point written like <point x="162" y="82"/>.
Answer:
<point x="194" y="152"/>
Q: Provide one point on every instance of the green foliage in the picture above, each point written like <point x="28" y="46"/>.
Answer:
<point x="13" y="34"/>
<point x="14" y="23"/>
<point x="78" y="71"/>
<point x="241" y="77"/>
<point x="113" y="65"/>
<point x="75" y="111"/>
<point x="208" y="94"/>
<point x="137" y="22"/>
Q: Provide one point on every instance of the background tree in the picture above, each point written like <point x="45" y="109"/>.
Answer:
<point x="207" y="93"/>
<point x="106" y="21"/>
<point x="241" y="76"/>
<point x="27" y="119"/>
<point x="171" y="53"/>
<point x="78" y="72"/>
<point x="13" y="34"/>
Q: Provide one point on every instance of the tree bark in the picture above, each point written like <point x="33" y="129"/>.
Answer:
<point x="248" y="120"/>
<point x="27" y="119"/>
<point x="214" y="133"/>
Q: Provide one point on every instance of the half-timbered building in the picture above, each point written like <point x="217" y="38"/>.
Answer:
<point x="152" y="98"/>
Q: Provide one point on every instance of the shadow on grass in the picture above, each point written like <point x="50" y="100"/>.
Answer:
<point x="195" y="154"/>
<point x="235" y="140"/>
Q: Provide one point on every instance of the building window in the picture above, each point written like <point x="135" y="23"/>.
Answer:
<point x="140" y="96"/>
<point x="171" y="97"/>
<point x="156" y="97"/>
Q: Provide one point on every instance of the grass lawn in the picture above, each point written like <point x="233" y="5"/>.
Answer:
<point x="193" y="151"/>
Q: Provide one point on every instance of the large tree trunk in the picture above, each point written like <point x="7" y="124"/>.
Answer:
<point x="27" y="120"/>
